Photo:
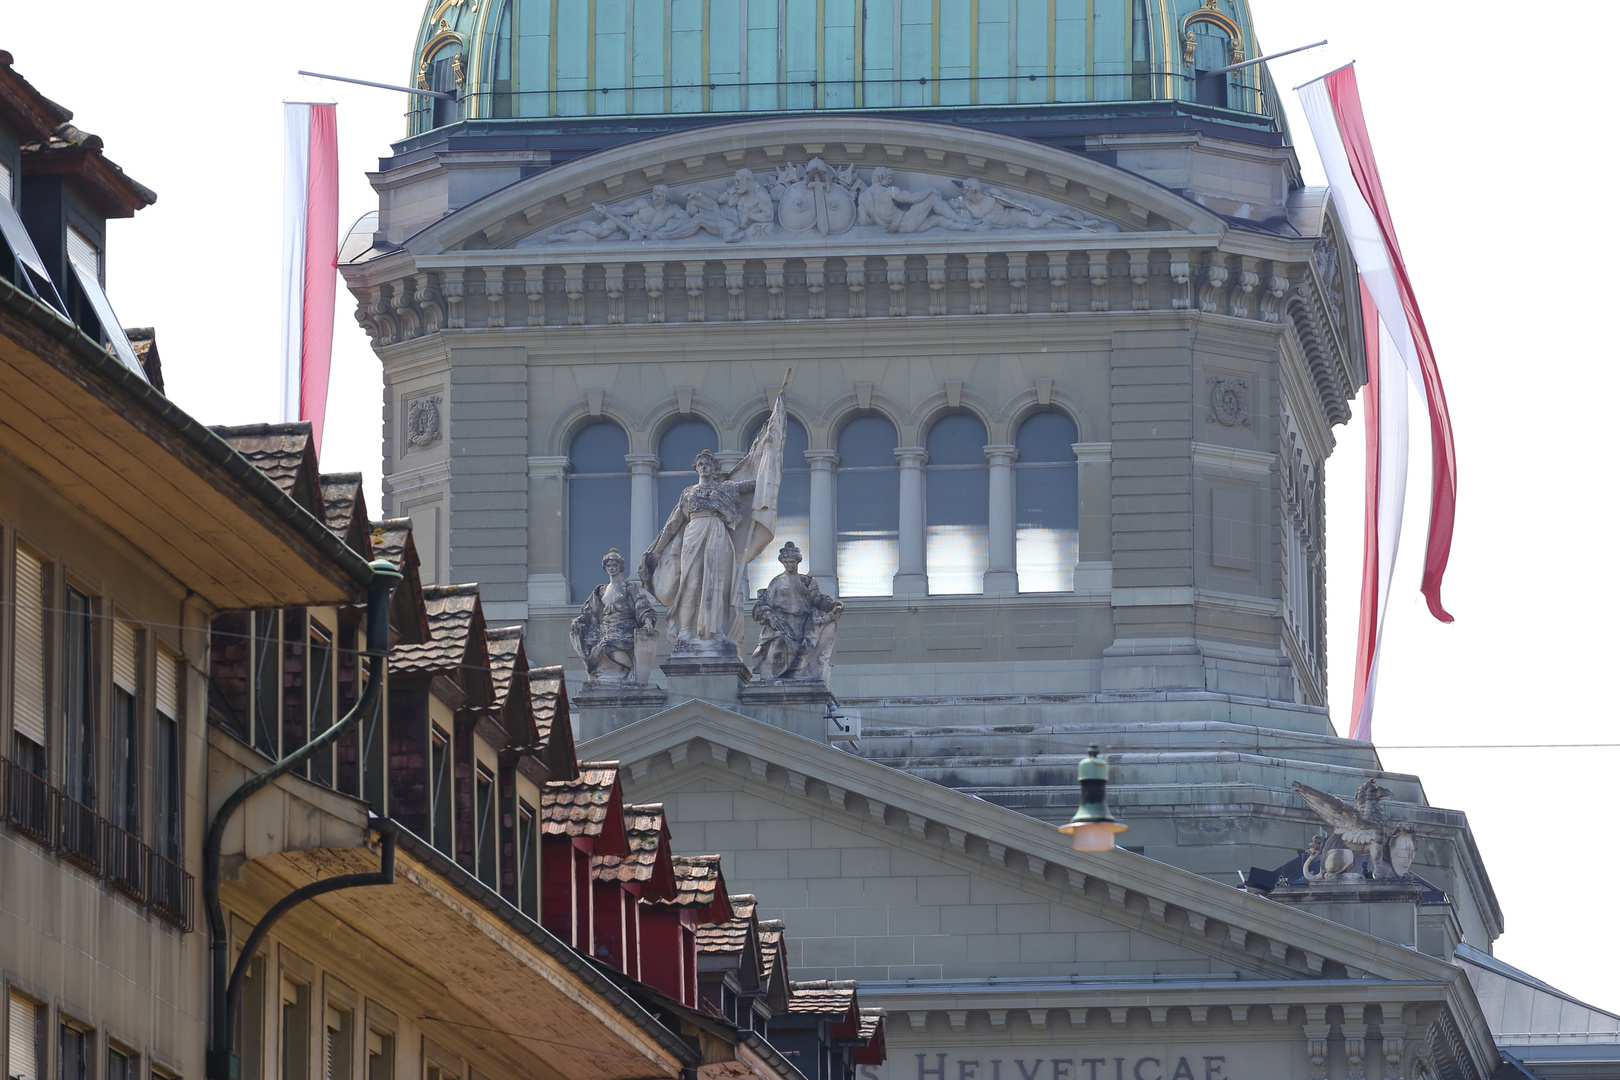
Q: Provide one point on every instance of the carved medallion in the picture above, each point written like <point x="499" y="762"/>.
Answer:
<point x="1228" y="402"/>
<point x="422" y="426"/>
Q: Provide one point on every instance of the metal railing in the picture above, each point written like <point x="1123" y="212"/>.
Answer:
<point x="78" y="833"/>
<point x="127" y="869"/>
<point x="30" y="801"/>
<point x="57" y="822"/>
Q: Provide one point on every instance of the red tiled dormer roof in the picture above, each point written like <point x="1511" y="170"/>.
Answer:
<point x="729" y="938"/>
<point x="588" y="807"/>
<point x="456" y="621"/>
<point x="771" y="948"/>
<point x="283" y="452"/>
<point x="648" y="862"/>
<point x="553" y="729"/>
<point x="832" y="998"/>
<point x="392" y="540"/>
<point x="700" y="885"/>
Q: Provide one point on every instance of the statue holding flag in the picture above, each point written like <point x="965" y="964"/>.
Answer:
<point x="697" y="565"/>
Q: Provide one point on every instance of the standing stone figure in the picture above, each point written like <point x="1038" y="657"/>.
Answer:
<point x="697" y="565"/>
<point x="798" y="623"/>
<point x="616" y="631"/>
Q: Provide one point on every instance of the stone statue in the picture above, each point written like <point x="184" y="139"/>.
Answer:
<point x="634" y="220"/>
<point x="798" y="623"/>
<point x="743" y="209"/>
<point x="697" y="564"/>
<point x="816" y="201"/>
<point x="1359" y="828"/>
<point x="616" y="631"/>
<point x="993" y="209"/>
<point x="901" y="211"/>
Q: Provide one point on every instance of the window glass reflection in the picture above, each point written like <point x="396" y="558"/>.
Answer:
<point x="1047" y="499"/>
<point x="598" y="503"/>
<point x="868" y="508"/>
<point x="793" y="507"/>
<point x="958" y="505"/>
<point x="677" y="449"/>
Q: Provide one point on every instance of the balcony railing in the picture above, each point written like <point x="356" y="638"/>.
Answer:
<point x="126" y="863"/>
<point x="170" y="891"/>
<point x="29" y="803"/>
<point x="56" y="822"/>
<point x="78" y="832"/>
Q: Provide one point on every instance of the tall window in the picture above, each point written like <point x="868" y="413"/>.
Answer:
<point x="443" y="800"/>
<point x="1212" y="49"/>
<point x="339" y="1044"/>
<point x="29" y="678"/>
<point x="484" y="853"/>
<point x="294" y="1030"/>
<point x="79" y="665"/>
<point x="379" y="1055"/>
<point x="251" y="1029"/>
<point x="528" y="868"/>
<point x="793" y="509"/>
<point x="442" y="77"/>
<point x="24" y="1021"/>
<point x="598" y="504"/>
<point x="958" y="505"/>
<point x="126" y="759"/>
<point x="267" y="682"/>
<point x="75" y="1057"/>
<point x="868" y="508"/>
<point x="319" y="688"/>
<point x="120" y="1065"/>
<point x="1048" y="503"/>
<point x="166" y="778"/>
<point x="677" y="448"/>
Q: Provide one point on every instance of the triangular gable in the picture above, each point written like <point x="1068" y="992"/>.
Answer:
<point x="286" y="454"/>
<point x="392" y="540"/>
<point x="795" y="815"/>
<point x="343" y="501"/>
<point x="554" y="729"/>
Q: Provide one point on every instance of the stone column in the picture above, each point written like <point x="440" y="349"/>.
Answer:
<point x="822" y="558"/>
<point x="1001" y="576"/>
<point x="548" y="531"/>
<point x="912" y="578"/>
<point x="1093" y="568"/>
<point x="644" y="523"/>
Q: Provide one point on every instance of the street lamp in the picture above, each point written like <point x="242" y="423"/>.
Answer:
<point x="1092" y="826"/>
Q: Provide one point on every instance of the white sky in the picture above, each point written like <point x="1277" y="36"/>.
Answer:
<point x="1480" y="147"/>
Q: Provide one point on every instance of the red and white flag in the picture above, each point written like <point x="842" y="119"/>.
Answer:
<point x="309" y="262"/>
<point x="1397" y="347"/>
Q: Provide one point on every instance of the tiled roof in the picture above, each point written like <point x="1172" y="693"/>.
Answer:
<point x="283" y="452"/>
<point x="871" y="1020"/>
<point x="823" y="997"/>
<point x="729" y="937"/>
<point x="115" y="192"/>
<point x="697" y="880"/>
<point x="770" y="947"/>
<point x="580" y="807"/>
<point x="549" y="694"/>
<point x="391" y="540"/>
<point x="344" y="503"/>
<point x="453" y="612"/>
<point x="644" y="826"/>
<point x="505" y="645"/>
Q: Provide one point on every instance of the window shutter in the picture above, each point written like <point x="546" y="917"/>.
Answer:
<point x="124" y="667"/>
<point x="24" y="1038"/>
<point x="29" y="711"/>
<point x="5" y="182"/>
<point x="168" y="684"/>
<point x="83" y="251"/>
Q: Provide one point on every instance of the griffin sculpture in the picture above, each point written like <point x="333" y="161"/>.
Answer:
<point x="1359" y="828"/>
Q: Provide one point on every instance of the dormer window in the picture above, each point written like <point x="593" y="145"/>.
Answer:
<point x="86" y="252"/>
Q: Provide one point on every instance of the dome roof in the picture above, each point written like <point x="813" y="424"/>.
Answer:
<point x="559" y="61"/>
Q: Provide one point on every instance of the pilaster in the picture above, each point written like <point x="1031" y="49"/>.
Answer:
<point x="1001" y="576"/>
<point x="822" y="558"/>
<point x="548" y="496"/>
<point x="644" y="522"/>
<point x="912" y="577"/>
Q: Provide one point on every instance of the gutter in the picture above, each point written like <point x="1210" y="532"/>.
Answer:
<point x="209" y="445"/>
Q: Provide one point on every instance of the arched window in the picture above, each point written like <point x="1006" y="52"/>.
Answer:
<point x="598" y="504"/>
<point x="1047" y="484"/>
<point x="441" y="73"/>
<point x="868" y="508"/>
<point x="793" y="509"/>
<point x="678" y="447"/>
<point x="958" y="502"/>
<point x="1211" y="48"/>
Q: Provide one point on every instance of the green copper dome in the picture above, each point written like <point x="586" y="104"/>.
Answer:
<point x="638" y="58"/>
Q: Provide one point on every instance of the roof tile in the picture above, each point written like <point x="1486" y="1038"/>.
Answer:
<point x="644" y="826"/>
<point x="823" y="996"/>
<point x="283" y="452"/>
<point x="580" y="807"/>
<point x="453" y="612"/>
<point x="729" y="937"/>
<point x="343" y="502"/>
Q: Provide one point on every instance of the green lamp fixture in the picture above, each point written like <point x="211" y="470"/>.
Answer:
<point x="1093" y="827"/>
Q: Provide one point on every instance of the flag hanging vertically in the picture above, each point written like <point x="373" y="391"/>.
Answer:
<point x="1397" y="346"/>
<point x="309" y="261"/>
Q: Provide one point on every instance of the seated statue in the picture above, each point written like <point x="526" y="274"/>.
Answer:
<point x="798" y="623"/>
<point x="616" y="631"/>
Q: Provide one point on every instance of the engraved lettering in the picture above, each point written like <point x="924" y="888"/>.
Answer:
<point x="1119" y="1069"/>
<point x="1029" y="1074"/>
<point x="1211" y="1070"/>
<point x="967" y="1070"/>
<point x="1093" y="1062"/>
<point x="869" y="1072"/>
<point x="1137" y="1071"/>
<point x="1182" y="1070"/>
<point x="995" y="1069"/>
<point x="1063" y="1073"/>
<point x="923" y="1071"/>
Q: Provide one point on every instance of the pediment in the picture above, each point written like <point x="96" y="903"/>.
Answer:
<point x="760" y="186"/>
<point x="856" y="840"/>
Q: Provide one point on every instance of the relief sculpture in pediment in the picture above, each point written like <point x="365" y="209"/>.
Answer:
<point x="815" y="197"/>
